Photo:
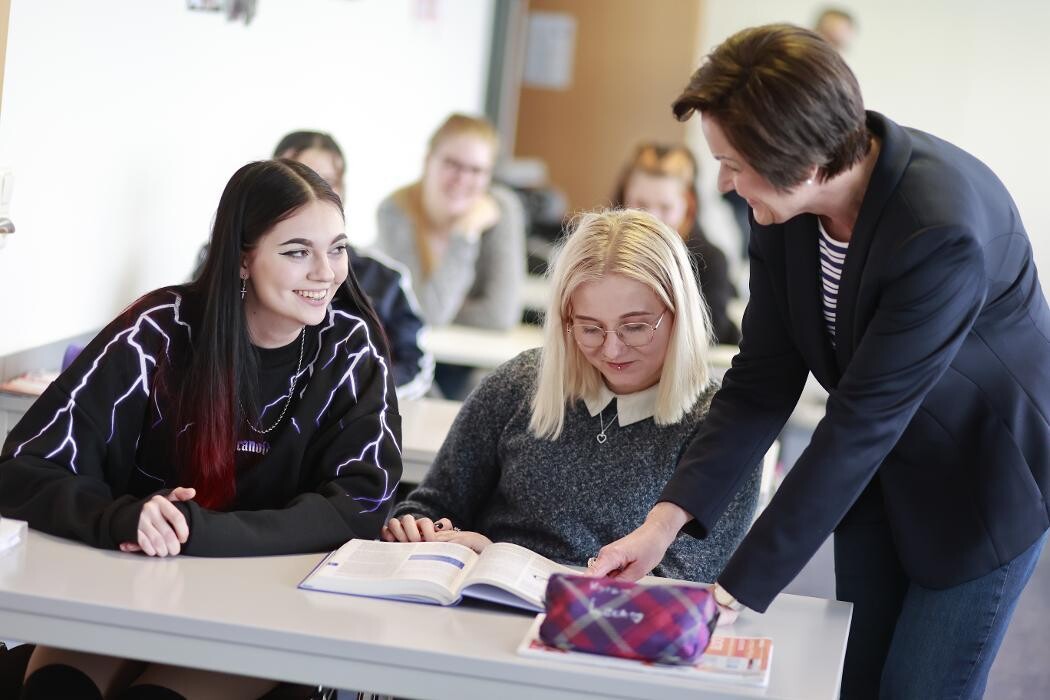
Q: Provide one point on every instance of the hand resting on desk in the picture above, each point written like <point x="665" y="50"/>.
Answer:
<point x="409" y="528"/>
<point x="162" y="527"/>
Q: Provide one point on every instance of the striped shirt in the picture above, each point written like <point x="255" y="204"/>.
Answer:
<point x="832" y="259"/>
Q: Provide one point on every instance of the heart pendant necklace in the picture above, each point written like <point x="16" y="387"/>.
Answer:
<point x="601" y="438"/>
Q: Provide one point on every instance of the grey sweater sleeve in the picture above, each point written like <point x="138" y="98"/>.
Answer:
<point x="494" y="301"/>
<point x="466" y="471"/>
<point x="476" y="283"/>
<point x="441" y="295"/>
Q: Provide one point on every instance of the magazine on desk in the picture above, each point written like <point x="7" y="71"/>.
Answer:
<point x="439" y="573"/>
<point x="741" y="661"/>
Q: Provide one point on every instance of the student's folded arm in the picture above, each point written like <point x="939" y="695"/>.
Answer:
<point x="78" y="439"/>
<point x="444" y="293"/>
<point x="441" y="293"/>
<point x="466" y="471"/>
<point x="352" y="468"/>
<point x="502" y="267"/>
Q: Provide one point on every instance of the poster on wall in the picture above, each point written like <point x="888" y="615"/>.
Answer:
<point x="549" y="50"/>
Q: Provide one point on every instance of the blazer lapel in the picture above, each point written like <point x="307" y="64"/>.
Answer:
<point x="804" y="304"/>
<point x="893" y="159"/>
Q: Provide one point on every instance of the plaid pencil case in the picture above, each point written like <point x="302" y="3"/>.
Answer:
<point x="667" y="624"/>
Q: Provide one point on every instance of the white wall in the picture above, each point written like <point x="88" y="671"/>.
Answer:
<point x="123" y="120"/>
<point x="974" y="72"/>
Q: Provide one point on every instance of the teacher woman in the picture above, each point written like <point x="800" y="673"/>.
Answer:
<point x="894" y="267"/>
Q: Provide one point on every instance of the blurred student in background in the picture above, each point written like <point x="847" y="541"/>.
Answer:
<point x="385" y="281"/>
<point x="837" y="26"/>
<point x="461" y="237"/>
<point x="661" y="179"/>
<point x="565" y="446"/>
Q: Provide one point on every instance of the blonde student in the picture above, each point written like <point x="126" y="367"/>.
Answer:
<point x="566" y="446"/>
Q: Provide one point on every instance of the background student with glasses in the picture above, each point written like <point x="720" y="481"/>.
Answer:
<point x="461" y="236"/>
<point x="568" y="445"/>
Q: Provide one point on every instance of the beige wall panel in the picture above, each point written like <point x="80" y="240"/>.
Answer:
<point x="632" y="59"/>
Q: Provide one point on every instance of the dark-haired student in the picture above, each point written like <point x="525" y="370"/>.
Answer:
<point x="386" y="282"/>
<point x="250" y="412"/>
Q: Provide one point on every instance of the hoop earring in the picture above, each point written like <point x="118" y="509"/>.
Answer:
<point x="244" y="287"/>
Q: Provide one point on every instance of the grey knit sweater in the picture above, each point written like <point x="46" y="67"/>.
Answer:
<point x="476" y="283"/>
<point x="566" y="498"/>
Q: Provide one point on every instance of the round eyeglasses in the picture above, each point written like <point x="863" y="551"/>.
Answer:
<point x="633" y="335"/>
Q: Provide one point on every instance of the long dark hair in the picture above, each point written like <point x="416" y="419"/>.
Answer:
<point x="222" y="376"/>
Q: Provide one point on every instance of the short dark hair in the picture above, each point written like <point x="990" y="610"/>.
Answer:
<point x="786" y="101"/>
<point x="292" y="146"/>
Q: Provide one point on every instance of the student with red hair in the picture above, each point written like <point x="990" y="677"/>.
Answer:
<point x="251" y="412"/>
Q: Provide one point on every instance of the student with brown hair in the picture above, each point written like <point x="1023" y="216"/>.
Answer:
<point x="893" y="266"/>
<point x="661" y="179"/>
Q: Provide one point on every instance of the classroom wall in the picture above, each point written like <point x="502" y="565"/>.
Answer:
<point x="631" y="60"/>
<point x="973" y="72"/>
<point x="123" y="120"/>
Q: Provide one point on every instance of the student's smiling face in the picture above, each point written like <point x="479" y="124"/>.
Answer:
<point x="293" y="271"/>
<point x="608" y="303"/>
<point x="456" y="174"/>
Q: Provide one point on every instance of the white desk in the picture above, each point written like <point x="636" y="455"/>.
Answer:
<point x="246" y="616"/>
<point x="12" y="408"/>
<point x="424" y="425"/>
<point x="477" y="347"/>
<point x="536" y="293"/>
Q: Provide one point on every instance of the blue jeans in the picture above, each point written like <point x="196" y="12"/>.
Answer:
<point x="907" y="641"/>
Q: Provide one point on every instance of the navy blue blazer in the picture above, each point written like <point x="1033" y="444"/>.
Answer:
<point x="939" y="388"/>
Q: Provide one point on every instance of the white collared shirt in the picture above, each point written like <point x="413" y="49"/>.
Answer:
<point x="630" y="408"/>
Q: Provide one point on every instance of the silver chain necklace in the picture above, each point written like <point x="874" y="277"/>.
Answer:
<point x="601" y="438"/>
<point x="291" y="390"/>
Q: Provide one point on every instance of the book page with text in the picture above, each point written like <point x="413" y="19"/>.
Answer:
<point x="516" y="569"/>
<point x="440" y="563"/>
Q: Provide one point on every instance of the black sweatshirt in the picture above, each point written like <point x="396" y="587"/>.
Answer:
<point x="100" y="441"/>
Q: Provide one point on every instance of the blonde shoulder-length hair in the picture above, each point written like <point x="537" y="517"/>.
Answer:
<point x="638" y="246"/>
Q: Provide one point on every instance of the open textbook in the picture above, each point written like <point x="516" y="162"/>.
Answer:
<point x="737" y="660"/>
<point x="436" y="572"/>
